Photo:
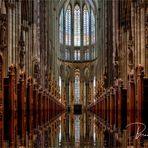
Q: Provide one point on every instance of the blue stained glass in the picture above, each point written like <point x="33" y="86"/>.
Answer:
<point x="87" y="54"/>
<point x="92" y="27"/>
<point x="77" y="34"/>
<point x="67" y="54"/>
<point x="61" y="27"/>
<point x="85" y="26"/>
<point x="68" y="26"/>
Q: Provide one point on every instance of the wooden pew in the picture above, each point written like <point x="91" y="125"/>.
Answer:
<point x="116" y="106"/>
<point x="22" y="108"/>
<point x="112" y="106"/>
<point x="10" y="105"/>
<point x="35" y="106"/>
<point x="103" y="107"/>
<point x="40" y="107"/>
<point x="145" y="105"/>
<point x="121" y="100"/>
<point x="30" y="107"/>
<point x="108" y="107"/>
<point x="1" y="103"/>
<point x="44" y="107"/>
<point x="142" y="97"/>
<point x="51" y="108"/>
<point x="48" y="107"/>
<point x="131" y="105"/>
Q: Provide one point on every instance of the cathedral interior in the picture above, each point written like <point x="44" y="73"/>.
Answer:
<point x="73" y="73"/>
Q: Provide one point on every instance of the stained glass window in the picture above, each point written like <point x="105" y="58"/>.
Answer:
<point x="66" y="54"/>
<point x="93" y="53"/>
<point x="78" y="55"/>
<point x="77" y="89"/>
<point x="68" y="26"/>
<point x="92" y="27"/>
<point x="72" y="21"/>
<point x="85" y="26"/>
<point x="61" y="27"/>
<point x="87" y="54"/>
<point x="75" y="55"/>
<point x="77" y="34"/>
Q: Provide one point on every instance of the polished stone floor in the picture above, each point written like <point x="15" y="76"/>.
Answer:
<point x="67" y="130"/>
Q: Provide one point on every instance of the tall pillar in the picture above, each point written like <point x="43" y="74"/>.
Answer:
<point x="91" y="91"/>
<point x="87" y="93"/>
<point x="142" y="37"/>
<point x="146" y="44"/>
<point x="72" y="94"/>
<point x="82" y="93"/>
<point x="62" y="92"/>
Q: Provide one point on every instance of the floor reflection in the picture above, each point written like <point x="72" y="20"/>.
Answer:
<point x="76" y="131"/>
<point x="66" y="131"/>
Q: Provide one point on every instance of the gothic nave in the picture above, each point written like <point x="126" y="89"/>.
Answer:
<point x="73" y="73"/>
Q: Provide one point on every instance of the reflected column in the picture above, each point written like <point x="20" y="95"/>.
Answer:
<point x="67" y="94"/>
<point x="72" y="94"/>
<point x="87" y="93"/>
<point x="63" y="92"/>
<point x="91" y="91"/>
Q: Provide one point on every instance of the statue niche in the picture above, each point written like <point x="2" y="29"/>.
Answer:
<point x="130" y="55"/>
<point x="2" y="31"/>
<point x="22" y="51"/>
<point x="37" y="72"/>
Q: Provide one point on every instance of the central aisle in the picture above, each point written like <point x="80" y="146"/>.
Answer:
<point x="76" y="131"/>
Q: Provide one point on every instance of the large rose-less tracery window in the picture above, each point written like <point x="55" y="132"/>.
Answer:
<point x="77" y="32"/>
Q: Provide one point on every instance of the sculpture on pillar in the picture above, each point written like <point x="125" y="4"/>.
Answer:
<point x="146" y="30"/>
<point x="130" y="52"/>
<point x="46" y="79"/>
<point x="116" y="64"/>
<point x="49" y="79"/>
<point x="3" y="26"/>
<point x="22" y="51"/>
<point x="37" y="72"/>
<point x="105" y="78"/>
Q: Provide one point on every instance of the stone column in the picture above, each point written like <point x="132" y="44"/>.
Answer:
<point x="87" y="93"/>
<point x="142" y="35"/>
<point x="63" y="92"/>
<point x="72" y="94"/>
<point x="82" y="93"/>
<point x="9" y="36"/>
<point x="146" y="42"/>
<point x="91" y="91"/>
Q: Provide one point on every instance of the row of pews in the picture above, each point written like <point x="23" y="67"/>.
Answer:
<point x="124" y="108"/>
<point x="23" y="107"/>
